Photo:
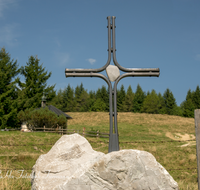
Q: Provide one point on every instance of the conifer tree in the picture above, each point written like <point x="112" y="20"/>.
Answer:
<point x="81" y="99"/>
<point x="188" y="106"/>
<point x="57" y="101"/>
<point x="121" y="98"/>
<point x="68" y="99"/>
<point x="35" y="84"/>
<point x="196" y="98"/>
<point x="105" y="97"/>
<point x="81" y="88"/>
<point x="98" y="93"/>
<point x="151" y="103"/>
<point x="138" y="99"/>
<point x="92" y="94"/>
<point x="77" y="99"/>
<point x="8" y="90"/>
<point x="128" y="103"/>
<point x="161" y="104"/>
<point x="85" y="102"/>
<point x="98" y="106"/>
<point x="170" y="102"/>
<point x="92" y="98"/>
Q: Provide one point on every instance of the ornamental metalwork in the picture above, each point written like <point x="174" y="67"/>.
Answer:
<point x="113" y="76"/>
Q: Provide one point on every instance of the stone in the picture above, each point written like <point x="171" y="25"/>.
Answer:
<point x="70" y="155"/>
<point x="72" y="164"/>
<point x="112" y="72"/>
<point x="24" y="127"/>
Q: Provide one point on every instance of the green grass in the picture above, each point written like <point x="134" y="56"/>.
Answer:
<point x="136" y="131"/>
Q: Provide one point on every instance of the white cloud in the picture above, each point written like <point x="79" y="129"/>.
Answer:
<point x="62" y="58"/>
<point x="5" y="4"/>
<point x="91" y="61"/>
<point x="197" y="57"/>
<point x="9" y="34"/>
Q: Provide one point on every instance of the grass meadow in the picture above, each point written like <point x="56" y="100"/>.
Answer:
<point x="171" y="139"/>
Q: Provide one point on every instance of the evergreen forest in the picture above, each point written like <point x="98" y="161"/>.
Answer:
<point x="16" y="96"/>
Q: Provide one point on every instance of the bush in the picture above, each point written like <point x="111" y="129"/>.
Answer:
<point x="39" y="118"/>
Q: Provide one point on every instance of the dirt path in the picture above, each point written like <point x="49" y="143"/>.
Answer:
<point x="184" y="137"/>
<point x="180" y="137"/>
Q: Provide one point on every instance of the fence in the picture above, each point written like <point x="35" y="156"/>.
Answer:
<point x="133" y="142"/>
<point x="72" y="131"/>
<point x="67" y="131"/>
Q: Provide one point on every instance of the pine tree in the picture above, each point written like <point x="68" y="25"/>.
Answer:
<point x="188" y="108"/>
<point x="35" y="84"/>
<point x="128" y="103"/>
<point x="190" y="95"/>
<point x="138" y="99"/>
<point x="151" y="103"/>
<point x="8" y="90"/>
<point x="161" y="104"/>
<point x="68" y="99"/>
<point x="196" y="98"/>
<point x="121" y="98"/>
<point x="77" y="99"/>
<point x="92" y="94"/>
<point x="99" y="105"/>
<point x="188" y="105"/>
<point x="85" y="102"/>
<point x="57" y="101"/>
<point x="105" y="97"/>
<point x="81" y="99"/>
<point x="92" y="98"/>
<point x="170" y="102"/>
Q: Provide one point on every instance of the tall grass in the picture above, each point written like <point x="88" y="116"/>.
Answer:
<point x="136" y="131"/>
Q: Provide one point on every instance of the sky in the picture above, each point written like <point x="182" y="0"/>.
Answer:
<point x="64" y="34"/>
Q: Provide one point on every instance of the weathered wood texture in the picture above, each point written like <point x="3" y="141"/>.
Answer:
<point x="197" y="130"/>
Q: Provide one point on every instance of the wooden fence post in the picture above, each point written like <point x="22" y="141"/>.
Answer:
<point x="84" y="131"/>
<point x="197" y="131"/>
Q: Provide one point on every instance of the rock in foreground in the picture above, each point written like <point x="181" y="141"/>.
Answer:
<point x="72" y="164"/>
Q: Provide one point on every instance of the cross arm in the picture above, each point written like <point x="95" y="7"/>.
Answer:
<point x="156" y="71"/>
<point x="86" y="70"/>
<point x="132" y="70"/>
<point x="137" y="74"/>
<point x="89" y="75"/>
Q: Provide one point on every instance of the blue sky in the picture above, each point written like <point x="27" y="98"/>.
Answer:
<point x="63" y="34"/>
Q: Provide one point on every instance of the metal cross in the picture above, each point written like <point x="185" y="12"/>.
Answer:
<point x="113" y="75"/>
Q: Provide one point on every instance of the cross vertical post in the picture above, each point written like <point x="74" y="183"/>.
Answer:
<point x="114" y="76"/>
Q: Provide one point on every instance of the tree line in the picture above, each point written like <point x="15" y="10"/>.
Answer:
<point x="17" y="95"/>
<point x="79" y="100"/>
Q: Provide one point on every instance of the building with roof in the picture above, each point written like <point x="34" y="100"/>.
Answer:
<point x="52" y="108"/>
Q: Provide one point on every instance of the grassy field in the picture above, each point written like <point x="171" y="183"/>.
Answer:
<point x="157" y="134"/>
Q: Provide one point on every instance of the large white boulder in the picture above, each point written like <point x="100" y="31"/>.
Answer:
<point x="72" y="164"/>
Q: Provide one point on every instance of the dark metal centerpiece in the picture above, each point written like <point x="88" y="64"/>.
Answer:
<point x="113" y="75"/>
